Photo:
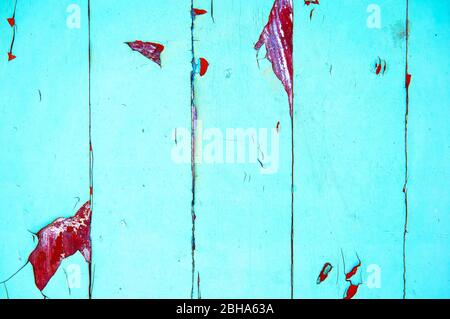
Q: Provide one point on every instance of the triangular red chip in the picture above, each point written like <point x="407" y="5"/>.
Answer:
<point x="11" y="21"/>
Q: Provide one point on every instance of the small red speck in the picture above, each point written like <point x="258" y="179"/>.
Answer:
<point x="90" y="147"/>
<point x="203" y="66"/>
<point x="91" y="190"/>
<point x="11" y="56"/>
<point x="278" y="127"/>
<point x="308" y="2"/>
<point x="408" y="80"/>
<point x="378" y="69"/>
<point x="199" y="12"/>
<point x="11" y="21"/>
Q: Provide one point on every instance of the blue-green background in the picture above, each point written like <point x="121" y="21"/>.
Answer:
<point x="349" y="150"/>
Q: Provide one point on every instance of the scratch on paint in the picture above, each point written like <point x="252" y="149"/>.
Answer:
<point x="309" y="2"/>
<point x="199" y="294"/>
<point x="405" y="186"/>
<point x="6" y="290"/>
<point x="277" y="36"/>
<point x="67" y="281"/>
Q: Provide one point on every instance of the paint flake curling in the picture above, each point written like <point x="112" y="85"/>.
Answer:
<point x="59" y="240"/>
<point x="351" y="291"/>
<point x="277" y="37"/>
<point x="150" y="50"/>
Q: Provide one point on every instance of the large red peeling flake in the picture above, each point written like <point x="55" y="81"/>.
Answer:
<point x="150" y="50"/>
<point x="277" y="37"/>
<point x="59" y="240"/>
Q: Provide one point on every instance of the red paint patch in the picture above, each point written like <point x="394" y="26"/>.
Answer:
<point x="351" y="291"/>
<point x="408" y="80"/>
<point x="59" y="240"/>
<point x="150" y="50"/>
<point x="308" y="2"/>
<point x="278" y="127"/>
<point x="11" y="56"/>
<point x="352" y="272"/>
<point x="277" y="37"/>
<point x="199" y="12"/>
<point x="378" y="70"/>
<point x="326" y="269"/>
<point x="380" y="66"/>
<point x="11" y="21"/>
<point x="203" y="66"/>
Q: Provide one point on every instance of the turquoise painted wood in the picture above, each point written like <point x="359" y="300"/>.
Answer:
<point x="349" y="149"/>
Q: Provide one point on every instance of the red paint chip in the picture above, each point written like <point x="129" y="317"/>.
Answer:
<point x="408" y="80"/>
<point x="199" y="12"/>
<point x="150" y="50"/>
<point x="203" y="66"/>
<point x="59" y="240"/>
<point x="351" y="291"/>
<point x="277" y="36"/>
<point x="11" y="21"/>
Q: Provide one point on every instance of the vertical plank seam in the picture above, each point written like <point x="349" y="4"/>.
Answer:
<point x="405" y="190"/>
<point x="91" y="153"/>
<point x="193" y="135"/>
